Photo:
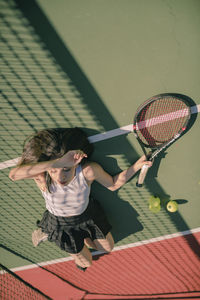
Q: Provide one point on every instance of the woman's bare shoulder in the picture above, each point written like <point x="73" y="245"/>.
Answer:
<point x="89" y="170"/>
<point x="94" y="171"/>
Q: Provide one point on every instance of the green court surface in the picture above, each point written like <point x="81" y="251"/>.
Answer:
<point x="91" y="64"/>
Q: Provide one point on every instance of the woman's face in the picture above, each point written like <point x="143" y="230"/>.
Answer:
<point x="62" y="176"/>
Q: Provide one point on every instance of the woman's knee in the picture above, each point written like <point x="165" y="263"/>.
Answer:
<point x="106" y="244"/>
<point x="83" y="258"/>
<point x="85" y="263"/>
<point x="109" y="246"/>
<point x="110" y="242"/>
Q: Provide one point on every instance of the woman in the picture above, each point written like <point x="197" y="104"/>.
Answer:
<point x="57" y="160"/>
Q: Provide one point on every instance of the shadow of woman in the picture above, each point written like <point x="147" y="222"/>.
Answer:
<point x="121" y="215"/>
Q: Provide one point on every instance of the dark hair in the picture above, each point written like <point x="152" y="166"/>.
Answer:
<point x="49" y="144"/>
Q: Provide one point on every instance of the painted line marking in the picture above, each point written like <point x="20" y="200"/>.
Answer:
<point x="9" y="163"/>
<point x="123" y="247"/>
<point x="111" y="133"/>
<point x="98" y="137"/>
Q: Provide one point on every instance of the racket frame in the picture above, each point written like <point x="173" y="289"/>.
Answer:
<point x="156" y="150"/>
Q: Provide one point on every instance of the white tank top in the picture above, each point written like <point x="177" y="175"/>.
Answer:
<point x="69" y="200"/>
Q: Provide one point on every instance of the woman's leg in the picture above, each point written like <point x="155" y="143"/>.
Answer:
<point x="89" y="243"/>
<point x="106" y="244"/>
<point x="83" y="258"/>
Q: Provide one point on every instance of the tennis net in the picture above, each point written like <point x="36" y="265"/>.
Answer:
<point x="13" y="286"/>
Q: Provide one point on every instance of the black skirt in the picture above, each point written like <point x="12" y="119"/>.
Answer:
<point x="69" y="232"/>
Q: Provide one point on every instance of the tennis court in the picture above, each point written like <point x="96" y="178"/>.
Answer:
<point x="91" y="64"/>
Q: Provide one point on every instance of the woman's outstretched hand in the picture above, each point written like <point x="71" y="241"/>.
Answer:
<point x="70" y="159"/>
<point x="143" y="161"/>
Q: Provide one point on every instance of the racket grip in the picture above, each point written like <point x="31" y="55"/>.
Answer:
<point x="142" y="175"/>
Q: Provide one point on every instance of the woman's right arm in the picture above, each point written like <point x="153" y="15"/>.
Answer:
<point x="30" y="170"/>
<point x="70" y="159"/>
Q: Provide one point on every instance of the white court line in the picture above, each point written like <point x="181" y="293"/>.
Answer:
<point x="9" y="163"/>
<point x="132" y="245"/>
<point x="100" y="137"/>
<point x="111" y="133"/>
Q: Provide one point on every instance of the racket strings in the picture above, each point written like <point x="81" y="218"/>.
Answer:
<point x="161" y="120"/>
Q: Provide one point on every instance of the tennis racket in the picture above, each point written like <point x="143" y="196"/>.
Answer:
<point x="158" y="123"/>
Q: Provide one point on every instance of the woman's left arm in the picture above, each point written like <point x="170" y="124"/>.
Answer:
<point x="95" y="172"/>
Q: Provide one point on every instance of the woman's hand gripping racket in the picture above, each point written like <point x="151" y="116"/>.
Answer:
<point x="158" y="123"/>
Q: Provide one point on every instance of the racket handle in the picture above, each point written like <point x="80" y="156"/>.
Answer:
<point x="142" y="175"/>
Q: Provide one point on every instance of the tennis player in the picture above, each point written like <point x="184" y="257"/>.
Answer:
<point x="58" y="161"/>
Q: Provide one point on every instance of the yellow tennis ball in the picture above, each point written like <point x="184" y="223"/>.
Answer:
<point x="172" y="206"/>
<point x="154" y="209"/>
<point x="154" y="201"/>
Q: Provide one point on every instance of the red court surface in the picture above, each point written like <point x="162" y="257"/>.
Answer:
<point x="167" y="269"/>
